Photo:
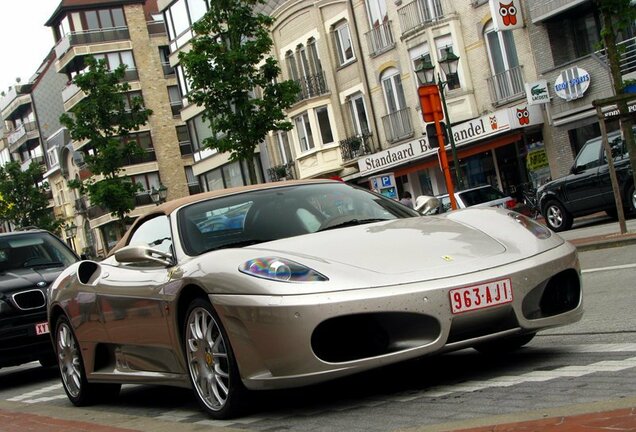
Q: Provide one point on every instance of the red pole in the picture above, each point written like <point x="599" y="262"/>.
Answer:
<point x="443" y="157"/>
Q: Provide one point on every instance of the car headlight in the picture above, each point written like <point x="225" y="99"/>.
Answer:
<point x="280" y="269"/>
<point x="535" y="228"/>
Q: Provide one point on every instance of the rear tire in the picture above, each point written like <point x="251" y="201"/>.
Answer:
<point x="556" y="216"/>
<point x="212" y="367"/>
<point x="506" y="345"/>
<point x="69" y="357"/>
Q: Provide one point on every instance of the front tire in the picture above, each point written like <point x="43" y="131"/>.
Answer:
<point x="211" y="364"/>
<point x="79" y="391"/>
<point x="556" y="216"/>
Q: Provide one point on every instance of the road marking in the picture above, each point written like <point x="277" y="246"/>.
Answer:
<point x="600" y="269"/>
<point x="25" y="396"/>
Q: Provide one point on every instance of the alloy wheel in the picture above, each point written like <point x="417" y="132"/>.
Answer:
<point x="69" y="360"/>
<point x="207" y="359"/>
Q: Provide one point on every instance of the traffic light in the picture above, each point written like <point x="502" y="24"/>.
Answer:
<point x="431" y="134"/>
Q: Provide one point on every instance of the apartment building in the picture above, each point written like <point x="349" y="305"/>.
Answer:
<point x="130" y="32"/>
<point x="564" y="37"/>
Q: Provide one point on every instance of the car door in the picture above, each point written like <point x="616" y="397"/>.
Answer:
<point x="134" y="306"/>
<point x="621" y="165"/>
<point x="582" y="189"/>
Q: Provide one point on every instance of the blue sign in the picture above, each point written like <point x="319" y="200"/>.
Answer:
<point x="386" y="181"/>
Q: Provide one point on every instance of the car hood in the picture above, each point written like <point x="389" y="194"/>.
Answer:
<point x="396" y="247"/>
<point x="16" y="279"/>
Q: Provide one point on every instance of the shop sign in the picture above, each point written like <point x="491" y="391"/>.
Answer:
<point x="537" y="159"/>
<point x="631" y="109"/>
<point x="537" y="92"/>
<point x="497" y="122"/>
<point x="395" y="155"/>
<point x="572" y="83"/>
<point x="506" y="15"/>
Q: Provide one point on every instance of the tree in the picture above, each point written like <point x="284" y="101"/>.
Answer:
<point x="106" y="120"/>
<point x="232" y="75"/>
<point x="618" y="16"/>
<point x="23" y="201"/>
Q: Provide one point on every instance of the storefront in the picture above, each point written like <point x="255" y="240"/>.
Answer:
<point x="504" y="149"/>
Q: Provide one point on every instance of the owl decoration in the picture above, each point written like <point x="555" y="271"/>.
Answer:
<point x="524" y="116"/>
<point x="493" y="122"/>
<point x="508" y="13"/>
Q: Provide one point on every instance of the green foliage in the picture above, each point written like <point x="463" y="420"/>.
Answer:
<point x="233" y="76"/>
<point x="22" y="201"/>
<point x="106" y="120"/>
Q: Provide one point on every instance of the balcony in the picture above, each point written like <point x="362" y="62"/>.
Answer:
<point x="185" y="147"/>
<point x="37" y="159"/>
<point x="167" y="69"/>
<point x="355" y="146"/>
<point x="420" y="14"/>
<point x="312" y="86"/>
<point x="282" y="172"/>
<point x="627" y="48"/>
<point x="397" y="125"/>
<point x="69" y="91"/>
<point x="89" y="38"/>
<point x="147" y="156"/>
<point x="25" y="132"/>
<point x="156" y="28"/>
<point x="506" y="86"/>
<point x="380" y="39"/>
<point x="194" y="188"/>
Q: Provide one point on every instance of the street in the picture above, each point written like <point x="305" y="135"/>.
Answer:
<point x="564" y="370"/>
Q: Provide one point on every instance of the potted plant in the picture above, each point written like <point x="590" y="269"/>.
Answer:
<point x="629" y="86"/>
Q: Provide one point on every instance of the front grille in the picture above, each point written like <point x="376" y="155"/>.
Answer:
<point x="28" y="300"/>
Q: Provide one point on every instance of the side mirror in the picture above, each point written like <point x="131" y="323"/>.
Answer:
<point x="426" y="205"/>
<point x="575" y="169"/>
<point x="143" y="254"/>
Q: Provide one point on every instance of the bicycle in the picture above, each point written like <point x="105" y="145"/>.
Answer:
<point x="529" y="198"/>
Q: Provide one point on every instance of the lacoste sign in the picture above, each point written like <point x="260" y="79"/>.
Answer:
<point x="537" y="92"/>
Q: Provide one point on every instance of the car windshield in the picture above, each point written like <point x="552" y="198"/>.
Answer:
<point x="480" y="195"/>
<point x="38" y="250"/>
<point x="271" y="214"/>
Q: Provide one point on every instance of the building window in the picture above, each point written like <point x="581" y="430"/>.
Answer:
<point x="344" y="47"/>
<point x="303" y="129"/>
<point x="176" y="102"/>
<point x="322" y="118"/>
<point x="179" y="18"/>
<point x="230" y="175"/>
<point x="282" y="143"/>
<point x="130" y="96"/>
<point x="574" y="35"/>
<point x="183" y="136"/>
<point x="506" y="80"/>
<point x="376" y="9"/>
<point x="358" y="113"/>
<point x="393" y="92"/>
<point x="199" y="131"/>
<point x="51" y="155"/>
<point x="147" y="181"/>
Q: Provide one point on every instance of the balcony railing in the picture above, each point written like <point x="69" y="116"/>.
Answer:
<point x="419" y="14"/>
<point x="147" y="156"/>
<point x="312" y="86"/>
<point x="380" y="39"/>
<point x="194" y="188"/>
<point x="282" y="172"/>
<point x="90" y="37"/>
<point x="627" y="48"/>
<point x="355" y="146"/>
<point x="167" y="69"/>
<point x="507" y="85"/>
<point x="37" y="159"/>
<point x="156" y="27"/>
<point x="185" y="147"/>
<point x="397" y="125"/>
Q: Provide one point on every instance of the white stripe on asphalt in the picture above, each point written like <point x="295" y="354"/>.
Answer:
<point x="23" y="397"/>
<point x="600" y="269"/>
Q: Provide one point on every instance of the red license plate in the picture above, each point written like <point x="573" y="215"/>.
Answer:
<point x="480" y="296"/>
<point x="42" y="328"/>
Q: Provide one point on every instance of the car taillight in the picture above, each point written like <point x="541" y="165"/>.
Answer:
<point x="511" y="204"/>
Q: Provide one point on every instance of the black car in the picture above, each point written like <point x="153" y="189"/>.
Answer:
<point x="29" y="262"/>
<point x="588" y="188"/>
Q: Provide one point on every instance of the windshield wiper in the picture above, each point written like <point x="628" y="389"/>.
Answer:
<point x="352" y="222"/>
<point x="236" y="244"/>
<point x="48" y="264"/>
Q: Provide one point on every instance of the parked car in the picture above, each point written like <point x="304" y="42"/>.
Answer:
<point x="29" y="261"/>
<point x="588" y="188"/>
<point x="485" y="196"/>
<point x="321" y="279"/>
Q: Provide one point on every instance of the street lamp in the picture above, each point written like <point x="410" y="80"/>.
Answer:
<point x="158" y="196"/>
<point x="426" y="75"/>
<point x="71" y="232"/>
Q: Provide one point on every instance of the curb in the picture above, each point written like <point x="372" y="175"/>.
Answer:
<point x="603" y="242"/>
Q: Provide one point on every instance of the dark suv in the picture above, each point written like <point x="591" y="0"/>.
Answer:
<point x="588" y="188"/>
<point x="29" y="261"/>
